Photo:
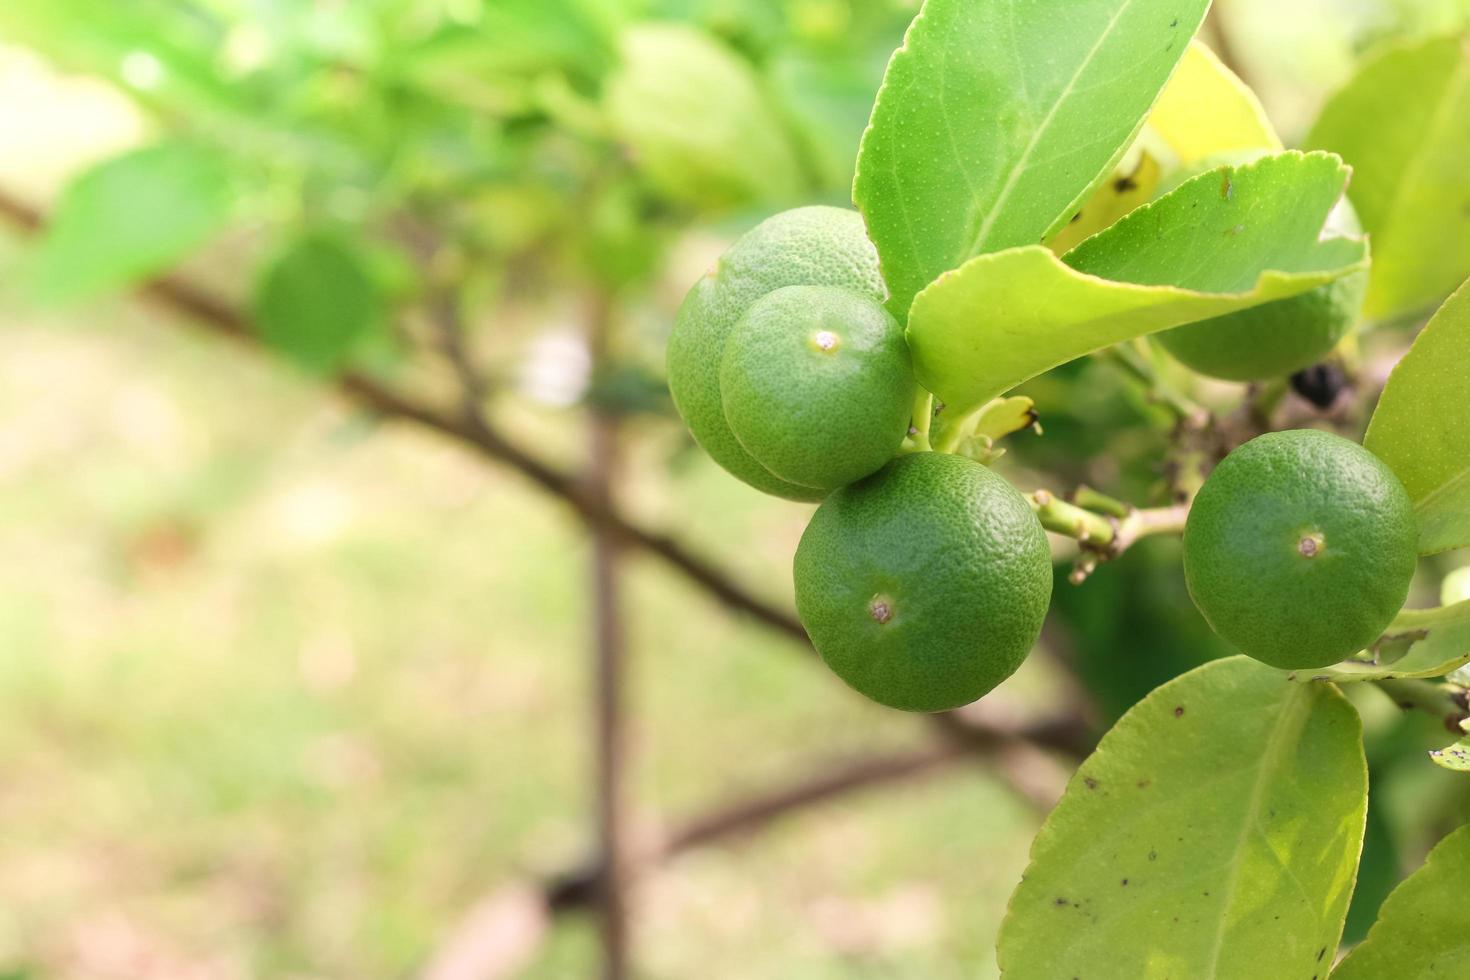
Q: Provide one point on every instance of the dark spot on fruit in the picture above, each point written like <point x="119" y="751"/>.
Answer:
<point x="1153" y="855"/>
<point x="1144" y="783"/>
<point x="1125" y="882"/>
<point x="1321" y="953"/>
<point x="1174" y="22"/>
<point x="1125" y="184"/>
<point x="1179" y="711"/>
<point x="1076" y="218"/>
<point x="1061" y="901"/>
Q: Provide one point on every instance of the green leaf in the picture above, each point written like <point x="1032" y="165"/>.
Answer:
<point x="1455" y="757"/>
<point x="1223" y="241"/>
<point x="1403" y="123"/>
<point x="317" y="302"/>
<point x="997" y="120"/>
<point x="697" y="122"/>
<point x="1418" y="643"/>
<point x="132" y="217"/>
<point x="1205" y="113"/>
<point x="1420" y="933"/>
<point x="1213" y="834"/>
<point x="1421" y="427"/>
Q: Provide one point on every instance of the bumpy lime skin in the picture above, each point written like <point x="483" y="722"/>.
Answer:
<point x="925" y="585"/>
<point x="1299" y="548"/>
<point x="806" y="246"/>
<point x="818" y="385"/>
<point x="1280" y="337"/>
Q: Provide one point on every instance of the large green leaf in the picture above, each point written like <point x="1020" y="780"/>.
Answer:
<point x="130" y="217"/>
<point x="997" y="119"/>
<point x="1421" y="427"/>
<point x="1421" y="932"/>
<point x="696" y="120"/>
<point x="317" y="302"/>
<point x="1212" y="835"/>
<point x="1418" y="643"/>
<point x="1228" y="239"/>
<point x="1403" y="123"/>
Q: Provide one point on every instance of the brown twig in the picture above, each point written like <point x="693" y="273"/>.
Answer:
<point x="222" y="319"/>
<point x="609" y="731"/>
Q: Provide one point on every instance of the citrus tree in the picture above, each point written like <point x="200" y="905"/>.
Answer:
<point x="1035" y="189"/>
<point x="1072" y="223"/>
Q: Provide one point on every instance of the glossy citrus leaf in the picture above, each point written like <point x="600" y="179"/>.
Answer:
<point x="996" y="120"/>
<point x="1204" y="112"/>
<point x="1403" y="123"/>
<point x="131" y="217"/>
<point x="1421" y="427"/>
<point x="1418" y="643"/>
<point x="696" y="120"/>
<point x="316" y="302"/>
<point x="1223" y="241"/>
<point x="1421" y="930"/>
<point x="1212" y="835"/>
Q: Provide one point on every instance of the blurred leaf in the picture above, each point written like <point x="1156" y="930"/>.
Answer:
<point x="316" y="302"/>
<point x="131" y="217"/>
<point x="1212" y="834"/>
<point x="697" y="122"/>
<point x="1455" y="757"/>
<point x="1403" y="124"/>
<point x="996" y="121"/>
<point x="1421" y="427"/>
<point x="1420" y="932"/>
<point x="1223" y="241"/>
<point x="829" y="96"/>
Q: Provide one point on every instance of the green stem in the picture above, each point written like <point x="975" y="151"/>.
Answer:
<point x="1133" y="363"/>
<point x="919" y="423"/>
<point x="1442" y="701"/>
<point x="1108" y="535"/>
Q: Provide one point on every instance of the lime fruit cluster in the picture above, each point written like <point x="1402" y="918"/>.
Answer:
<point x="925" y="585"/>
<point x="922" y="579"/>
<point x="1280" y="337"/>
<point x="1299" y="548"/>
<point x="818" y="342"/>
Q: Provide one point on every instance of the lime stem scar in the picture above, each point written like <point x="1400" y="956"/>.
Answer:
<point x="881" y="609"/>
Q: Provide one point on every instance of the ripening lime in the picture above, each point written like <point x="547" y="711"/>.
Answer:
<point x="1299" y="548"/>
<point x="808" y="246"/>
<point x="925" y="585"/>
<point x="817" y="384"/>
<point x="1279" y="337"/>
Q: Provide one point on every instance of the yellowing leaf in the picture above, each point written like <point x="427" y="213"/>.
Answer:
<point x="1206" y="110"/>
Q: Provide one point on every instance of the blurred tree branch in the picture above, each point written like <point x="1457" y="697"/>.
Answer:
<point x="470" y="427"/>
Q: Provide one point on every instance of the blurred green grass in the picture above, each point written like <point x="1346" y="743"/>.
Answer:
<point x="282" y="694"/>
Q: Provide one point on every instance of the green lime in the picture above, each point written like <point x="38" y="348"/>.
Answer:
<point x="1299" y="548"/>
<point x="817" y="384"/>
<point x="925" y="585"/>
<point x="1279" y="337"/>
<point x="809" y="246"/>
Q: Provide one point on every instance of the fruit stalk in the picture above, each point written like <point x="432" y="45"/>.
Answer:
<point x="1109" y="534"/>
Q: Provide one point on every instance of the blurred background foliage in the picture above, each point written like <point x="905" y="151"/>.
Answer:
<point x="283" y="692"/>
